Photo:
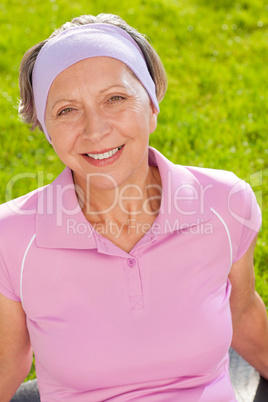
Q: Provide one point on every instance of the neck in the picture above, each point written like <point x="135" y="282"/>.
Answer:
<point x="124" y="203"/>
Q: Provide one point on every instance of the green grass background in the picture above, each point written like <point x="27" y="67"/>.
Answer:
<point x="215" y="111"/>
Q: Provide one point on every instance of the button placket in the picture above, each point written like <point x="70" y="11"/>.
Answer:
<point x="134" y="284"/>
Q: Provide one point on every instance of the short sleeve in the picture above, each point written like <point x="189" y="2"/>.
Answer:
<point x="234" y="200"/>
<point x="6" y="287"/>
<point x="246" y="215"/>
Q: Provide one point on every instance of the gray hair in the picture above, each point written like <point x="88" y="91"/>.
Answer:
<point x="156" y="69"/>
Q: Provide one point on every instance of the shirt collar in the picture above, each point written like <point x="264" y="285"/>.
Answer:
<point x="183" y="202"/>
<point x="60" y="222"/>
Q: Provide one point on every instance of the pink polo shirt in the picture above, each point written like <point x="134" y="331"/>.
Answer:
<point x="150" y="325"/>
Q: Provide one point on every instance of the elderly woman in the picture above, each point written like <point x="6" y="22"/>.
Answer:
<point x="131" y="276"/>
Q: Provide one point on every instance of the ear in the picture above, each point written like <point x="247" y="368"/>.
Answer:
<point x="153" y="118"/>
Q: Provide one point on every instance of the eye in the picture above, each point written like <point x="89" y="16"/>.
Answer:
<point x="65" y="111"/>
<point x="116" y="98"/>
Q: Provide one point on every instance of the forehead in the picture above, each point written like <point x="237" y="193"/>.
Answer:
<point x="95" y="69"/>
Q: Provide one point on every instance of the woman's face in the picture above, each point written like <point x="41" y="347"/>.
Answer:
<point x="99" y="118"/>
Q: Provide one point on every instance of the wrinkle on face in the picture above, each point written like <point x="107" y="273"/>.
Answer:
<point x="99" y="104"/>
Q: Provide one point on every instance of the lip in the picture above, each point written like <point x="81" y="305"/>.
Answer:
<point x="104" y="162"/>
<point x="103" y="150"/>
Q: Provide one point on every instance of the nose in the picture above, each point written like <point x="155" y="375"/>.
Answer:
<point x="95" y="125"/>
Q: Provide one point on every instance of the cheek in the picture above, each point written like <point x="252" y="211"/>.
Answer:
<point x="138" y="117"/>
<point x="59" y="150"/>
<point x="62" y="145"/>
<point x="65" y="126"/>
<point x="62" y="135"/>
<point x="153" y="123"/>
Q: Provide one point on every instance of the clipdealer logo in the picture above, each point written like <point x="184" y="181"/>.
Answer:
<point x="185" y="199"/>
<point x="133" y="227"/>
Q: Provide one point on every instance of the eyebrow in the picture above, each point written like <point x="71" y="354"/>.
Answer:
<point x="113" y="86"/>
<point x="62" y="100"/>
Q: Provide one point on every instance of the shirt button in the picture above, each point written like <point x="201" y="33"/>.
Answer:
<point x="131" y="262"/>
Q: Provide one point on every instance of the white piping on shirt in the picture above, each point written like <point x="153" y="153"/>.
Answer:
<point x="22" y="265"/>
<point x="228" y="234"/>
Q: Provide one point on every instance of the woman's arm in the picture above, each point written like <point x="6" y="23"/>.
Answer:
<point x="15" y="348"/>
<point x="249" y="315"/>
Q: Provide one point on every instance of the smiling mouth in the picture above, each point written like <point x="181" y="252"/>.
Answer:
<point x="105" y="155"/>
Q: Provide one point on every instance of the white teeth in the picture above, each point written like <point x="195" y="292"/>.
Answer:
<point x="105" y="155"/>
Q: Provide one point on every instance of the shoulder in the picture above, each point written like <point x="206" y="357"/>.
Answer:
<point x="220" y="178"/>
<point x="233" y="201"/>
<point x="25" y="208"/>
<point x="17" y="228"/>
<point x="224" y="188"/>
<point x="17" y="224"/>
<point x="215" y="194"/>
<point x="18" y="231"/>
<point x="213" y="178"/>
<point x="19" y="209"/>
